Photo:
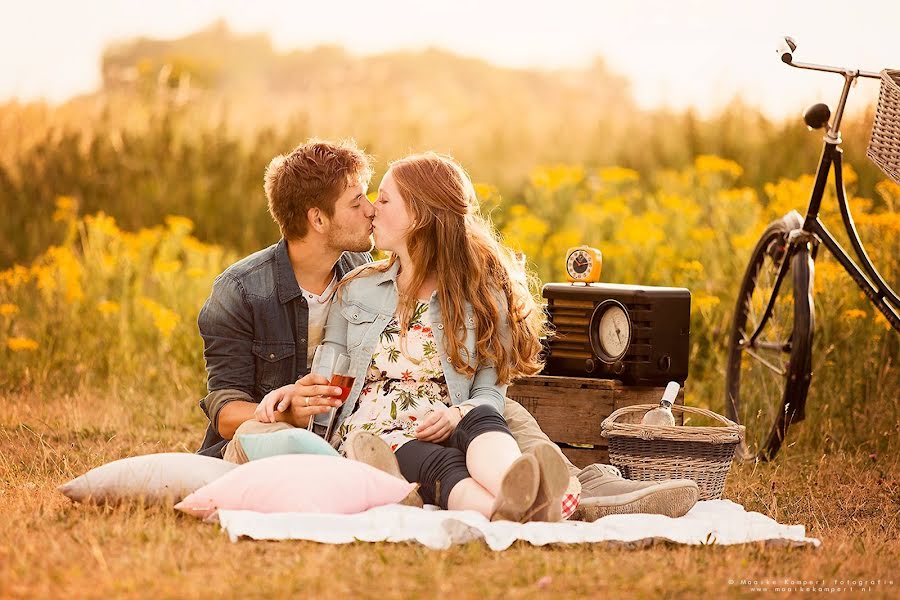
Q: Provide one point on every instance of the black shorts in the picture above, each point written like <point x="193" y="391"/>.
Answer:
<point x="437" y="468"/>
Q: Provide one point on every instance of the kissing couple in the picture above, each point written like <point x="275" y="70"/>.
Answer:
<point x="435" y="334"/>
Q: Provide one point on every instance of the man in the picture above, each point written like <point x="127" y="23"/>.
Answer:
<point x="267" y="312"/>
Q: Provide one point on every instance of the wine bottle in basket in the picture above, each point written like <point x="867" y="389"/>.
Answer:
<point x="662" y="414"/>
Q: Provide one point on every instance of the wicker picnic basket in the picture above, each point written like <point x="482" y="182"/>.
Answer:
<point x="657" y="452"/>
<point x="884" y="144"/>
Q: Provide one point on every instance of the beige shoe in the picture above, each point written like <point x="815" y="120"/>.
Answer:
<point x="368" y="448"/>
<point x="518" y="490"/>
<point x="605" y="492"/>
<point x="553" y="484"/>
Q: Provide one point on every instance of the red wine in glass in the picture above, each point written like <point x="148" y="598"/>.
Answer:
<point x="345" y="382"/>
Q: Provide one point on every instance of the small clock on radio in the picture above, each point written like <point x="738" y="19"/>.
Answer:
<point x="583" y="264"/>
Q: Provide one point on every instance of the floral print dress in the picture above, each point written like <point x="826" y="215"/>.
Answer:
<point x="404" y="382"/>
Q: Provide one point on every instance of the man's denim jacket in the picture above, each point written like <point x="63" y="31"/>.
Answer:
<point x="363" y="310"/>
<point x="254" y="327"/>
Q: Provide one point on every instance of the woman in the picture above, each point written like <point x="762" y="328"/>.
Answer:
<point x="435" y="335"/>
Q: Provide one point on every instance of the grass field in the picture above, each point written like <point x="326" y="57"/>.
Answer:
<point x="50" y="547"/>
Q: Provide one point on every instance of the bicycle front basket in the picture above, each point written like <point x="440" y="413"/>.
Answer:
<point x="884" y="145"/>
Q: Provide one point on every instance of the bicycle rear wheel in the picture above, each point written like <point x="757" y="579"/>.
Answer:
<point x="767" y="382"/>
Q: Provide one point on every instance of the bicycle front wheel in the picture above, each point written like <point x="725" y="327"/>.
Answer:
<point x="767" y="379"/>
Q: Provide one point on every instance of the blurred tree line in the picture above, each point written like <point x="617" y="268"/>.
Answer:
<point x="187" y="127"/>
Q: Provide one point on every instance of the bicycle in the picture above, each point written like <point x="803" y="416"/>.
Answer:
<point x="774" y="346"/>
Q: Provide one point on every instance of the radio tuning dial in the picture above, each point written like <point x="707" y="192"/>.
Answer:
<point x="611" y="331"/>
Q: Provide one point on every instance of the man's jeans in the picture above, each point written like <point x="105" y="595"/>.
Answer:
<point x="527" y="433"/>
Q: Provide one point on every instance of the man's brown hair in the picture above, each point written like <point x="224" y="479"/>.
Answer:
<point x="313" y="175"/>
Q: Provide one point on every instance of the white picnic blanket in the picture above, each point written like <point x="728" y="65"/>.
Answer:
<point x="709" y="522"/>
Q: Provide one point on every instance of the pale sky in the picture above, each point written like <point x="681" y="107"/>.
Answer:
<point x="677" y="53"/>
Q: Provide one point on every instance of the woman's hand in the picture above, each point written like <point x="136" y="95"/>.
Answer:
<point x="438" y="425"/>
<point x="295" y="403"/>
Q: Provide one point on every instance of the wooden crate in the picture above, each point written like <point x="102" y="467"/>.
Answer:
<point x="570" y="410"/>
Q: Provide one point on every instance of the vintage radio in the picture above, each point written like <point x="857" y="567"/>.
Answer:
<point x="639" y="335"/>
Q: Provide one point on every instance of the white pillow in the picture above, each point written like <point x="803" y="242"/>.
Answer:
<point x="154" y="478"/>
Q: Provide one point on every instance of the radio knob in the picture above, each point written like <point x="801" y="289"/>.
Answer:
<point x="665" y="362"/>
<point x="619" y="367"/>
<point x="590" y="365"/>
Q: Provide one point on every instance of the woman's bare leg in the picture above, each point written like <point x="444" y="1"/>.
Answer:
<point x="468" y="494"/>
<point x="489" y="457"/>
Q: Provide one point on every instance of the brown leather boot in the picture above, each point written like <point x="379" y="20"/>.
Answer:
<point x="554" y="479"/>
<point x="518" y="490"/>
<point x="605" y="492"/>
<point x="368" y="448"/>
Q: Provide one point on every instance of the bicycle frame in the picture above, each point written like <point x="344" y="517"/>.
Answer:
<point x="814" y="231"/>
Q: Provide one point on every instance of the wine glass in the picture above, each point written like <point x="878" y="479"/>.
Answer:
<point x="322" y="364"/>
<point x="341" y="378"/>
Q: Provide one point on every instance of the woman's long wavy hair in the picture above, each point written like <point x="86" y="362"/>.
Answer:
<point x="451" y="239"/>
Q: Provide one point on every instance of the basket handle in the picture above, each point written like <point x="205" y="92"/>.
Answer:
<point x="635" y="408"/>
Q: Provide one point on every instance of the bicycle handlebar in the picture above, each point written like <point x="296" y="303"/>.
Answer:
<point x="786" y="51"/>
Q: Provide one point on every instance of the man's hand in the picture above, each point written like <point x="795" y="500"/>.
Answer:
<point x="438" y="425"/>
<point x="310" y="396"/>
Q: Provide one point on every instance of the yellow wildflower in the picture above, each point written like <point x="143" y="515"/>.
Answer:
<point x="44" y="276"/>
<point x="557" y="244"/>
<point x="654" y="217"/>
<point x="179" y="223"/>
<point x="165" y="322"/>
<point x="744" y="241"/>
<point x="15" y="276"/>
<point x="691" y="266"/>
<point x="787" y="195"/>
<point x="890" y="192"/>
<point x="193" y="245"/>
<point x="827" y="272"/>
<point x="615" y="206"/>
<point x="687" y="210"/>
<point x="888" y="221"/>
<point x="614" y="250"/>
<point x="640" y="230"/>
<point x="518" y="210"/>
<point x="161" y="267"/>
<point x="485" y="191"/>
<point x="708" y="163"/>
<point x="557" y="176"/>
<point x="18" y="344"/>
<point x="69" y="269"/>
<point x="8" y="309"/>
<point x="854" y="313"/>
<point x="618" y="175"/>
<point x="103" y="224"/>
<point x="673" y="202"/>
<point x="108" y="307"/>
<point x="703" y="234"/>
<point x="108" y="262"/>
<point x="743" y="195"/>
<point x="704" y="302"/>
<point x="66" y="208"/>
<point x="164" y="319"/>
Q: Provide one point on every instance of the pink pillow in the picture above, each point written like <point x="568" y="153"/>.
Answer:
<point x="298" y="483"/>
